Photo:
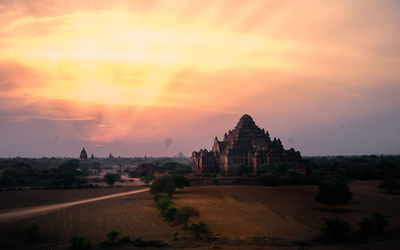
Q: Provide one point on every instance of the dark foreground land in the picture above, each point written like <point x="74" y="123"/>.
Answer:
<point x="239" y="217"/>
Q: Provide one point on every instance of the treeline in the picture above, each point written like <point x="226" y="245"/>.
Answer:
<point x="170" y="167"/>
<point x="162" y="190"/>
<point x="21" y="174"/>
<point x="311" y="170"/>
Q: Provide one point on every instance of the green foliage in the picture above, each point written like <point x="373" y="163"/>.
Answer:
<point x="376" y="224"/>
<point x="184" y="214"/>
<point x="176" y="233"/>
<point x="387" y="164"/>
<point x="169" y="213"/>
<point x="147" y="179"/>
<point x="335" y="230"/>
<point x="180" y="181"/>
<point x="163" y="203"/>
<point x="198" y="229"/>
<point x="239" y="169"/>
<point x="164" y="184"/>
<point x="31" y="232"/>
<point x="176" y="168"/>
<point x="266" y="168"/>
<point x="268" y="179"/>
<point x="390" y="185"/>
<point x="110" y="178"/>
<point x="112" y="236"/>
<point x="159" y="196"/>
<point x="79" y="242"/>
<point x="333" y="192"/>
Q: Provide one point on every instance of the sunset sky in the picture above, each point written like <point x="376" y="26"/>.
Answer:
<point x="123" y="76"/>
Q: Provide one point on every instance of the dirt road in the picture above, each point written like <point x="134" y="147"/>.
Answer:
<point x="16" y="214"/>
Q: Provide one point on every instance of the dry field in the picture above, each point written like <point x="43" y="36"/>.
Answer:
<point x="27" y="198"/>
<point x="133" y="215"/>
<point x="236" y="213"/>
<point x="289" y="212"/>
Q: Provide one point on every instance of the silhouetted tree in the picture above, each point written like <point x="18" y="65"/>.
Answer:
<point x="198" y="229"/>
<point x="180" y="181"/>
<point x="110" y="178"/>
<point x="390" y="185"/>
<point x="163" y="184"/>
<point x="185" y="213"/>
<point x="333" y="192"/>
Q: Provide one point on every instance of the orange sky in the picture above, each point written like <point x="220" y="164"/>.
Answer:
<point x="122" y="76"/>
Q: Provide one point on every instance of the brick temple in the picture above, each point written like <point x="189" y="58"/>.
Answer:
<point x="247" y="144"/>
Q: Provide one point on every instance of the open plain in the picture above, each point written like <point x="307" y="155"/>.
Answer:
<point x="237" y="216"/>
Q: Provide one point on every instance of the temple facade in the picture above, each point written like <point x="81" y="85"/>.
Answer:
<point x="247" y="144"/>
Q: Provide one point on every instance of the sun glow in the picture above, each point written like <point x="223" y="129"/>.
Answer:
<point x="119" y="57"/>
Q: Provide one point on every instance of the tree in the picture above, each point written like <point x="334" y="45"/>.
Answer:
<point x="163" y="184"/>
<point x="198" y="229"/>
<point x="110" y="178"/>
<point x="333" y="192"/>
<point x="335" y="230"/>
<point x="31" y="232"/>
<point x="147" y="179"/>
<point x="375" y="224"/>
<point x="185" y="213"/>
<point x="180" y="181"/>
<point x="112" y="236"/>
<point x="268" y="179"/>
<point x="390" y="185"/>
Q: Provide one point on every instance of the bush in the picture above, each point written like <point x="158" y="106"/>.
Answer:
<point x="169" y="213"/>
<point x="376" y="224"/>
<point x="110" y="178"/>
<point x="180" y="181"/>
<point x="185" y="213"/>
<point x="268" y="179"/>
<point x="335" y="230"/>
<point x="31" y="232"/>
<point x="163" y="203"/>
<point x="390" y="185"/>
<point x="198" y="229"/>
<point x="159" y="196"/>
<point x="78" y="242"/>
<point x="333" y="192"/>
<point x="164" y="184"/>
<point x="112" y="236"/>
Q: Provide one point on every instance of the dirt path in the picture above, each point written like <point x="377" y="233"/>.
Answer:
<point x="16" y="214"/>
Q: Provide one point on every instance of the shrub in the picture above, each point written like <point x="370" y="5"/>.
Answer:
<point x="390" y="185"/>
<point x="198" y="229"/>
<point x="159" y="196"/>
<point x="169" y="213"/>
<point x="163" y="203"/>
<point x="31" y="232"/>
<point x="180" y="181"/>
<point x="333" y="192"/>
<point x="335" y="230"/>
<point x="376" y="224"/>
<point x="268" y="179"/>
<point x="185" y="213"/>
<point x="112" y="236"/>
<point x="78" y="242"/>
<point x="164" y="184"/>
<point x="110" y="178"/>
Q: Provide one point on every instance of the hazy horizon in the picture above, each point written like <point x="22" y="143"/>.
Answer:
<point x="155" y="78"/>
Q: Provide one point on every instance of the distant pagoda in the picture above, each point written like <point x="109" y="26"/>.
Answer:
<point x="92" y="157"/>
<point x="83" y="155"/>
<point x="110" y="156"/>
<point x="246" y="144"/>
